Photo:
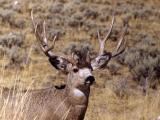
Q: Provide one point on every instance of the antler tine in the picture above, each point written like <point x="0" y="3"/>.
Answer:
<point x="53" y="43"/>
<point x="121" y="42"/>
<point x="45" y="41"/>
<point x="102" y="41"/>
<point x="88" y="59"/>
<point x="34" y="25"/>
<point x="110" y="30"/>
<point x="99" y="38"/>
<point x="121" y="38"/>
<point x="44" y="32"/>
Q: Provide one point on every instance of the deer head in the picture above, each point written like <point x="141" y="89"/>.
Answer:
<point x="78" y="66"/>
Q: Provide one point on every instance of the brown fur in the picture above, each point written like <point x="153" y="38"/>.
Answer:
<point x="51" y="103"/>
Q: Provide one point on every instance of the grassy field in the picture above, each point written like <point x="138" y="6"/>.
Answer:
<point x="116" y="95"/>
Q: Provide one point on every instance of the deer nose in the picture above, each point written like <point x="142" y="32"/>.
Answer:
<point x="89" y="80"/>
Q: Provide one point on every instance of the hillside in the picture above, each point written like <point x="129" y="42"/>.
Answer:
<point x="127" y="89"/>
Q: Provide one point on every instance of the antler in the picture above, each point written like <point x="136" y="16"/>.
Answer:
<point x="102" y="42"/>
<point x="40" y="32"/>
<point x="42" y="37"/>
<point x="104" y="57"/>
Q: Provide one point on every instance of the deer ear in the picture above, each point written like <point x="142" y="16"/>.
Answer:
<point x="60" y="64"/>
<point x="101" y="61"/>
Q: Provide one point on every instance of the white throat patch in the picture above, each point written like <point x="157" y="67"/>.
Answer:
<point x="78" y="93"/>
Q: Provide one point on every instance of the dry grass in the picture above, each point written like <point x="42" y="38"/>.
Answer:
<point x="105" y="103"/>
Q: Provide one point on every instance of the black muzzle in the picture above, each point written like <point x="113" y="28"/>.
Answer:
<point x="89" y="80"/>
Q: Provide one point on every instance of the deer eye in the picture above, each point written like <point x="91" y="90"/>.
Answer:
<point x="75" y="70"/>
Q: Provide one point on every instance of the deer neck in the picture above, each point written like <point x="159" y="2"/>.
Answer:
<point x="78" y="95"/>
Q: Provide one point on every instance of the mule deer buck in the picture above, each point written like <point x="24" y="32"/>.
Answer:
<point x="69" y="102"/>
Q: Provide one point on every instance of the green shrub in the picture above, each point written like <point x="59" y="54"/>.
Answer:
<point x="143" y="60"/>
<point x="83" y="47"/>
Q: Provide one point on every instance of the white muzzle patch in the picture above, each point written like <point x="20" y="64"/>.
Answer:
<point x="85" y="72"/>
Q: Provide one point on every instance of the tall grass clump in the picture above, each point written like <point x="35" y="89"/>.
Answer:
<point x="13" y="99"/>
